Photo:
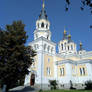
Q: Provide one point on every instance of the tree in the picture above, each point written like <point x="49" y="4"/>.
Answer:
<point x="84" y="3"/>
<point x="53" y="84"/>
<point x="88" y="85"/>
<point x="15" y="57"/>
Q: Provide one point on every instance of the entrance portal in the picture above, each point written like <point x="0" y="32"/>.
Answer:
<point x="32" y="80"/>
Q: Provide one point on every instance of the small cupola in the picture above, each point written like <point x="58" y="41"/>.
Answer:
<point x="81" y="50"/>
<point x="69" y="38"/>
<point x="81" y="46"/>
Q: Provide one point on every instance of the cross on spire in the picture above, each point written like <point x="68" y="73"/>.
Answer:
<point x="43" y="14"/>
<point x="43" y="5"/>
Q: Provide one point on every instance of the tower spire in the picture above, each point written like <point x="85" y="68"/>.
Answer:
<point x="81" y="46"/>
<point x="64" y="34"/>
<point x="43" y="14"/>
<point x="43" y="5"/>
<point x="69" y="37"/>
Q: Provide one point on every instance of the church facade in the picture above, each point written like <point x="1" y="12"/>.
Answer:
<point x="66" y="66"/>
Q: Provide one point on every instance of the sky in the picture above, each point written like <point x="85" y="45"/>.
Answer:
<point x="75" y="21"/>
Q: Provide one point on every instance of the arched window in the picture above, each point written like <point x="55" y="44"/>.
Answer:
<point x="62" y="46"/>
<point x="61" y="71"/>
<point x="83" y="71"/>
<point x="47" y="36"/>
<point x="48" y="71"/>
<point x="44" y="46"/>
<point x="48" y="48"/>
<point x="38" y="25"/>
<point x="42" y="25"/>
<point x="48" y="59"/>
<point x="52" y="49"/>
<point x="65" y="45"/>
<point x="68" y="47"/>
<point x="80" y="71"/>
<point x="71" y="47"/>
<point x="47" y="26"/>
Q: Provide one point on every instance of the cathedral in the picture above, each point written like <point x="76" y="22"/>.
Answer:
<point x="66" y="66"/>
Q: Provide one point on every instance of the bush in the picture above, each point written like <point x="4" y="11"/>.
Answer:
<point x="88" y="85"/>
<point x="53" y="84"/>
<point x="71" y="85"/>
<point x="40" y="90"/>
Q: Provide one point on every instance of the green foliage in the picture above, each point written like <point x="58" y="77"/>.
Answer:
<point x="15" y="57"/>
<point x="53" y="84"/>
<point x="40" y="90"/>
<point x="84" y="3"/>
<point x="71" y="85"/>
<point x="88" y="85"/>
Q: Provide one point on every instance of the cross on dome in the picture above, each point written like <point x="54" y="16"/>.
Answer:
<point x="43" y="14"/>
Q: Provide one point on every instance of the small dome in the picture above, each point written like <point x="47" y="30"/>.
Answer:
<point x="80" y="43"/>
<point x="69" y="36"/>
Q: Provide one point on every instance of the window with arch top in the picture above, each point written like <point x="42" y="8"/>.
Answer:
<point x="38" y="25"/>
<point x="80" y="71"/>
<point x="68" y="47"/>
<point x="47" y="36"/>
<point x="47" y="26"/>
<point x="44" y="46"/>
<point x="71" y="47"/>
<point x="42" y="25"/>
<point x="62" y="46"/>
<point x="83" y="71"/>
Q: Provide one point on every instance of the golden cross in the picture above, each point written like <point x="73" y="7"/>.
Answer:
<point x="43" y="5"/>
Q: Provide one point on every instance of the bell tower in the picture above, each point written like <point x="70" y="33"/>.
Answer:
<point x="42" y="25"/>
<point x="67" y="46"/>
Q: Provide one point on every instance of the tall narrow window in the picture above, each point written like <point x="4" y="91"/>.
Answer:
<point x="80" y="71"/>
<point x="47" y="26"/>
<point x="71" y="47"/>
<point x="48" y="60"/>
<point x="48" y="48"/>
<point x="83" y="71"/>
<point x="38" y="25"/>
<point x="65" y="46"/>
<point x="62" y="46"/>
<point x="68" y="47"/>
<point x="52" y="49"/>
<point x="48" y="71"/>
<point x="42" y="25"/>
<point x="61" y="71"/>
<point x="44" y="46"/>
<point x="47" y="36"/>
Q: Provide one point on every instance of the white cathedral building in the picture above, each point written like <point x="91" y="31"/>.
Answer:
<point x="69" y="64"/>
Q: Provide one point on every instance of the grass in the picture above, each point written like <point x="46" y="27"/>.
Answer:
<point x="68" y="91"/>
